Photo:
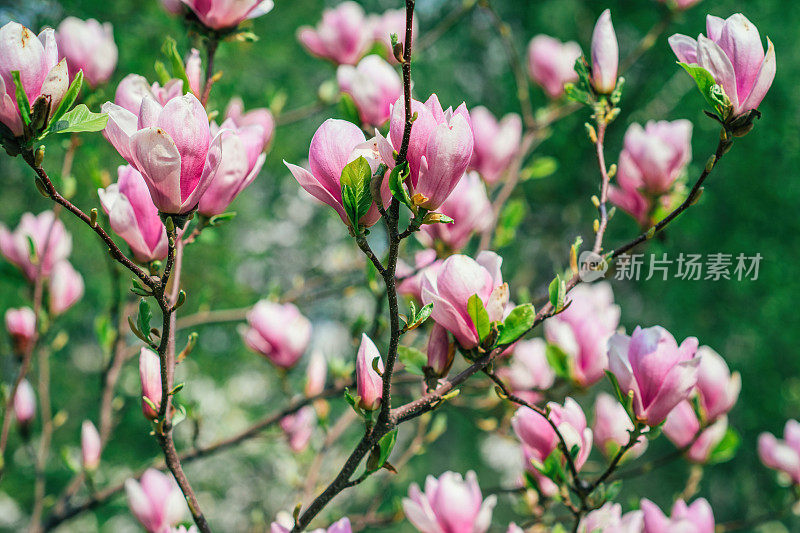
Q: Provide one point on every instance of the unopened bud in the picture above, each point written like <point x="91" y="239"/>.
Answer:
<point x="93" y="217"/>
<point x="596" y="225"/>
<point x="397" y="50"/>
<point x="595" y="200"/>
<point x="38" y="157"/>
<point x="590" y="131"/>
<point x="710" y="163"/>
<point x="612" y="170"/>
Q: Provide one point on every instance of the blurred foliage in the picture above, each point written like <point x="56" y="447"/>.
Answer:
<point x="280" y="241"/>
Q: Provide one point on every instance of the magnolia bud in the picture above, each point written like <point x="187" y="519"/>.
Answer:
<point x="605" y="55"/>
<point x="369" y="383"/>
<point x="90" y="446"/>
<point x="440" y="351"/>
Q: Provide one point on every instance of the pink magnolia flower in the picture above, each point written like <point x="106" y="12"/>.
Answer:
<point x="285" y="524"/>
<point x="225" y="14"/>
<point x="391" y="21"/>
<point x="316" y="374"/>
<point x="343" y="35"/>
<point x="456" y="281"/>
<point x="655" y="156"/>
<point x="334" y="145"/>
<point x="732" y="52"/>
<point x="299" y="427"/>
<point x="51" y="243"/>
<point x="782" y="455"/>
<point x="150" y="378"/>
<point x="90" y="446"/>
<point x="612" y="426"/>
<point x="439" y="150"/>
<point x="171" y="146"/>
<point x="450" y="504"/>
<point x="369" y="383"/>
<point x="633" y="202"/>
<point x="682" y="425"/>
<point x="695" y="518"/>
<point x="469" y="207"/>
<point x="551" y="63"/>
<point x="279" y="332"/>
<point x="495" y="142"/>
<point x="660" y="373"/>
<point x="88" y="46"/>
<point x="514" y="528"/>
<point x="717" y="388"/>
<point x="410" y="279"/>
<point x="609" y="519"/>
<point x="539" y="439"/>
<point x="21" y="326"/>
<point x="582" y="331"/>
<point x="440" y="351"/>
<point x="133" y="216"/>
<point x="65" y="287"/>
<point x="605" y="54"/>
<point x="374" y="86"/>
<point x="529" y="372"/>
<point x="134" y="88"/>
<point x="41" y="73"/>
<point x="242" y="158"/>
<point x="255" y="117"/>
<point x="24" y="403"/>
<point x="155" y="500"/>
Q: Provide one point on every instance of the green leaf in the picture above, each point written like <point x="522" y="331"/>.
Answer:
<point x="69" y="98"/>
<point x="386" y="444"/>
<point x="144" y="318"/>
<point x="348" y="109"/>
<point x="479" y="316"/>
<point x="161" y="72"/>
<point x="412" y="359"/>
<point x="541" y="167"/>
<point x="356" y="196"/>
<point x="558" y="292"/>
<point x="518" y="322"/>
<point x="22" y="98"/>
<point x="170" y="49"/>
<point x="510" y="218"/>
<point x="558" y="360"/>
<point x="579" y="95"/>
<point x="417" y="319"/>
<point x="396" y="184"/>
<point x="79" y="119"/>
<point x="712" y="92"/>
<point x="552" y="467"/>
<point x="726" y="449"/>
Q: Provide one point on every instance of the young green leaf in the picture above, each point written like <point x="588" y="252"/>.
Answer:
<point x="558" y="360"/>
<point x="557" y="291"/>
<point x="726" y="449"/>
<point x="79" y="119"/>
<point x="22" y="98"/>
<point x="69" y="98"/>
<point x="348" y="109"/>
<point x="170" y="49"/>
<point x="518" y="322"/>
<point x="144" y="317"/>
<point x="386" y="444"/>
<point x="356" y="196"/>
<point x="479" y="316"/>
<point x="412" y="359"/>
<point x="397" y="186"/>
<point x="708" y="87"/>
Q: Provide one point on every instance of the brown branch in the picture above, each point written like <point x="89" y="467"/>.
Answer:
<point x="602" y="124"/>
<point x="98" y="498"/>
<point x="211" y="50"/>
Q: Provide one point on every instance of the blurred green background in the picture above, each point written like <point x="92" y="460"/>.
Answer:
<point x="279" y="240"/>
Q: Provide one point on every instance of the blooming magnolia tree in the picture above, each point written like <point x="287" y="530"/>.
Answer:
<point x="414" y="182"/>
